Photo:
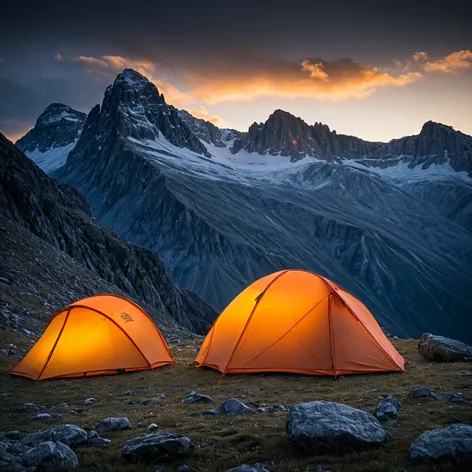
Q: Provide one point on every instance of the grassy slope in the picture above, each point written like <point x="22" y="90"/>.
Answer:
<point x="228" y="442"/>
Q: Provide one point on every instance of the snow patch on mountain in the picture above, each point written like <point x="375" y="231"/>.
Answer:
<point x="403" y="172"/>
<point x="51" y="159"/>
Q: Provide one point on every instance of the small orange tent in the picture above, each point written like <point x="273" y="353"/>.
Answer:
<point x="103" y="334"/>
<point x="297" y="321"/>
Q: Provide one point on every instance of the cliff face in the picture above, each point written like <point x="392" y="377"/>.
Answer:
<point x="59" y="216"/>
<point x="285" y="135"/>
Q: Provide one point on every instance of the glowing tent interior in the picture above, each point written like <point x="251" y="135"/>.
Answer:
<point x="103" y="334"/>
<point x="297" y="321"/>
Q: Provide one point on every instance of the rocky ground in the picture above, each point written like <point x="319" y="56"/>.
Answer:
<point x="267" y="434"/>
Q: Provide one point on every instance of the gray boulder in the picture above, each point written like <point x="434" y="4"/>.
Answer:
<point x="90" y="401"/>
<point x="157" y="447"/>
<point x="323" y="428"/>
<point x="113" y="424"/>
<point x="453" y="443"/>
<point x="387" y="409"/>
<point x="51" y="455"/>
<point x="248" y="468"/>
<point x="153" y="427"/>
<point x="230" y="407"/>
<point x="194" y="397"/>
<point x="68" y="434"/>
<point x="441" y="349"/>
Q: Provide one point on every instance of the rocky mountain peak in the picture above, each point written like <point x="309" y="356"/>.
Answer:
<point x="287" y="135"/>
<point x="55" y="134"/>
<point x="56" y="112"/>
<point x="130" y="86"/>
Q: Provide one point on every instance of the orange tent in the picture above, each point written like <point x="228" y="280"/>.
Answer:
<point x="296" y="321"/>
<point x="104" y="334"/>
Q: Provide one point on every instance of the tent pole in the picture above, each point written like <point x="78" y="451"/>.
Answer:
<point x="331" y="345"/>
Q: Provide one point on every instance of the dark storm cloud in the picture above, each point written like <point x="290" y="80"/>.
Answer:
<point x="204" y="39"/>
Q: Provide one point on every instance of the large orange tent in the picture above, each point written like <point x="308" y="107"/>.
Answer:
<point x="297" y="321"/>
<point x="103" y="334"/>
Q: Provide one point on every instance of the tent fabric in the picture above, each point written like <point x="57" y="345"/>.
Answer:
<point x="300" y="322"/>
<point x="103" y="334"/>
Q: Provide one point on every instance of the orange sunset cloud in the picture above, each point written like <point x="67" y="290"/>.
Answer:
<point x="451" y="63"/>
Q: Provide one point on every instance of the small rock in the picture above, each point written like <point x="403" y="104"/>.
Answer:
<point x="421" y="392"/>
<point x="128" y="392"/>
<point x="183" y="468"/>
<point x="51" y="455"/>
<point x="152" y="427"/>
<point x="98" y="442"/>
<point x="325" y="428"/>
<point x="113" y="424"/>
<point x="454" y="398"/>
<point x="453" y="443"/>
<point x="154" y="400"/>
<point x="5" y="394"/>
<point x="41" y="417"/>
<point x="387" y="409"/>
<point x="90" y="401"/>
<point x="28" y="407"/>
<point x="92" y="434"/>
<point x="157" y="447"/>
<point x="55" y="414"/>
<point x="194" y="397"/>
<point x="248" y="468"/>
<point x="441" y="349"/>
<point x="465" y="373"/>
<point x="230" y="407"/>
<point x="129" y="401"/>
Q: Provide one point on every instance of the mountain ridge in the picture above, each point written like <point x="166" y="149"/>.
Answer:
<point x="60" y="216"/>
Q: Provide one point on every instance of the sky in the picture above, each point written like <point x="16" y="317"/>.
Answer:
<point x="376" y="70"/>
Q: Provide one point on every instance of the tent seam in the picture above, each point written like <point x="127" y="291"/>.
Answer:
<point x="285" y="334"/>
<point x="258" y="299"/>
<point x="56" y="343"/>
<point x="121" y="329"/>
